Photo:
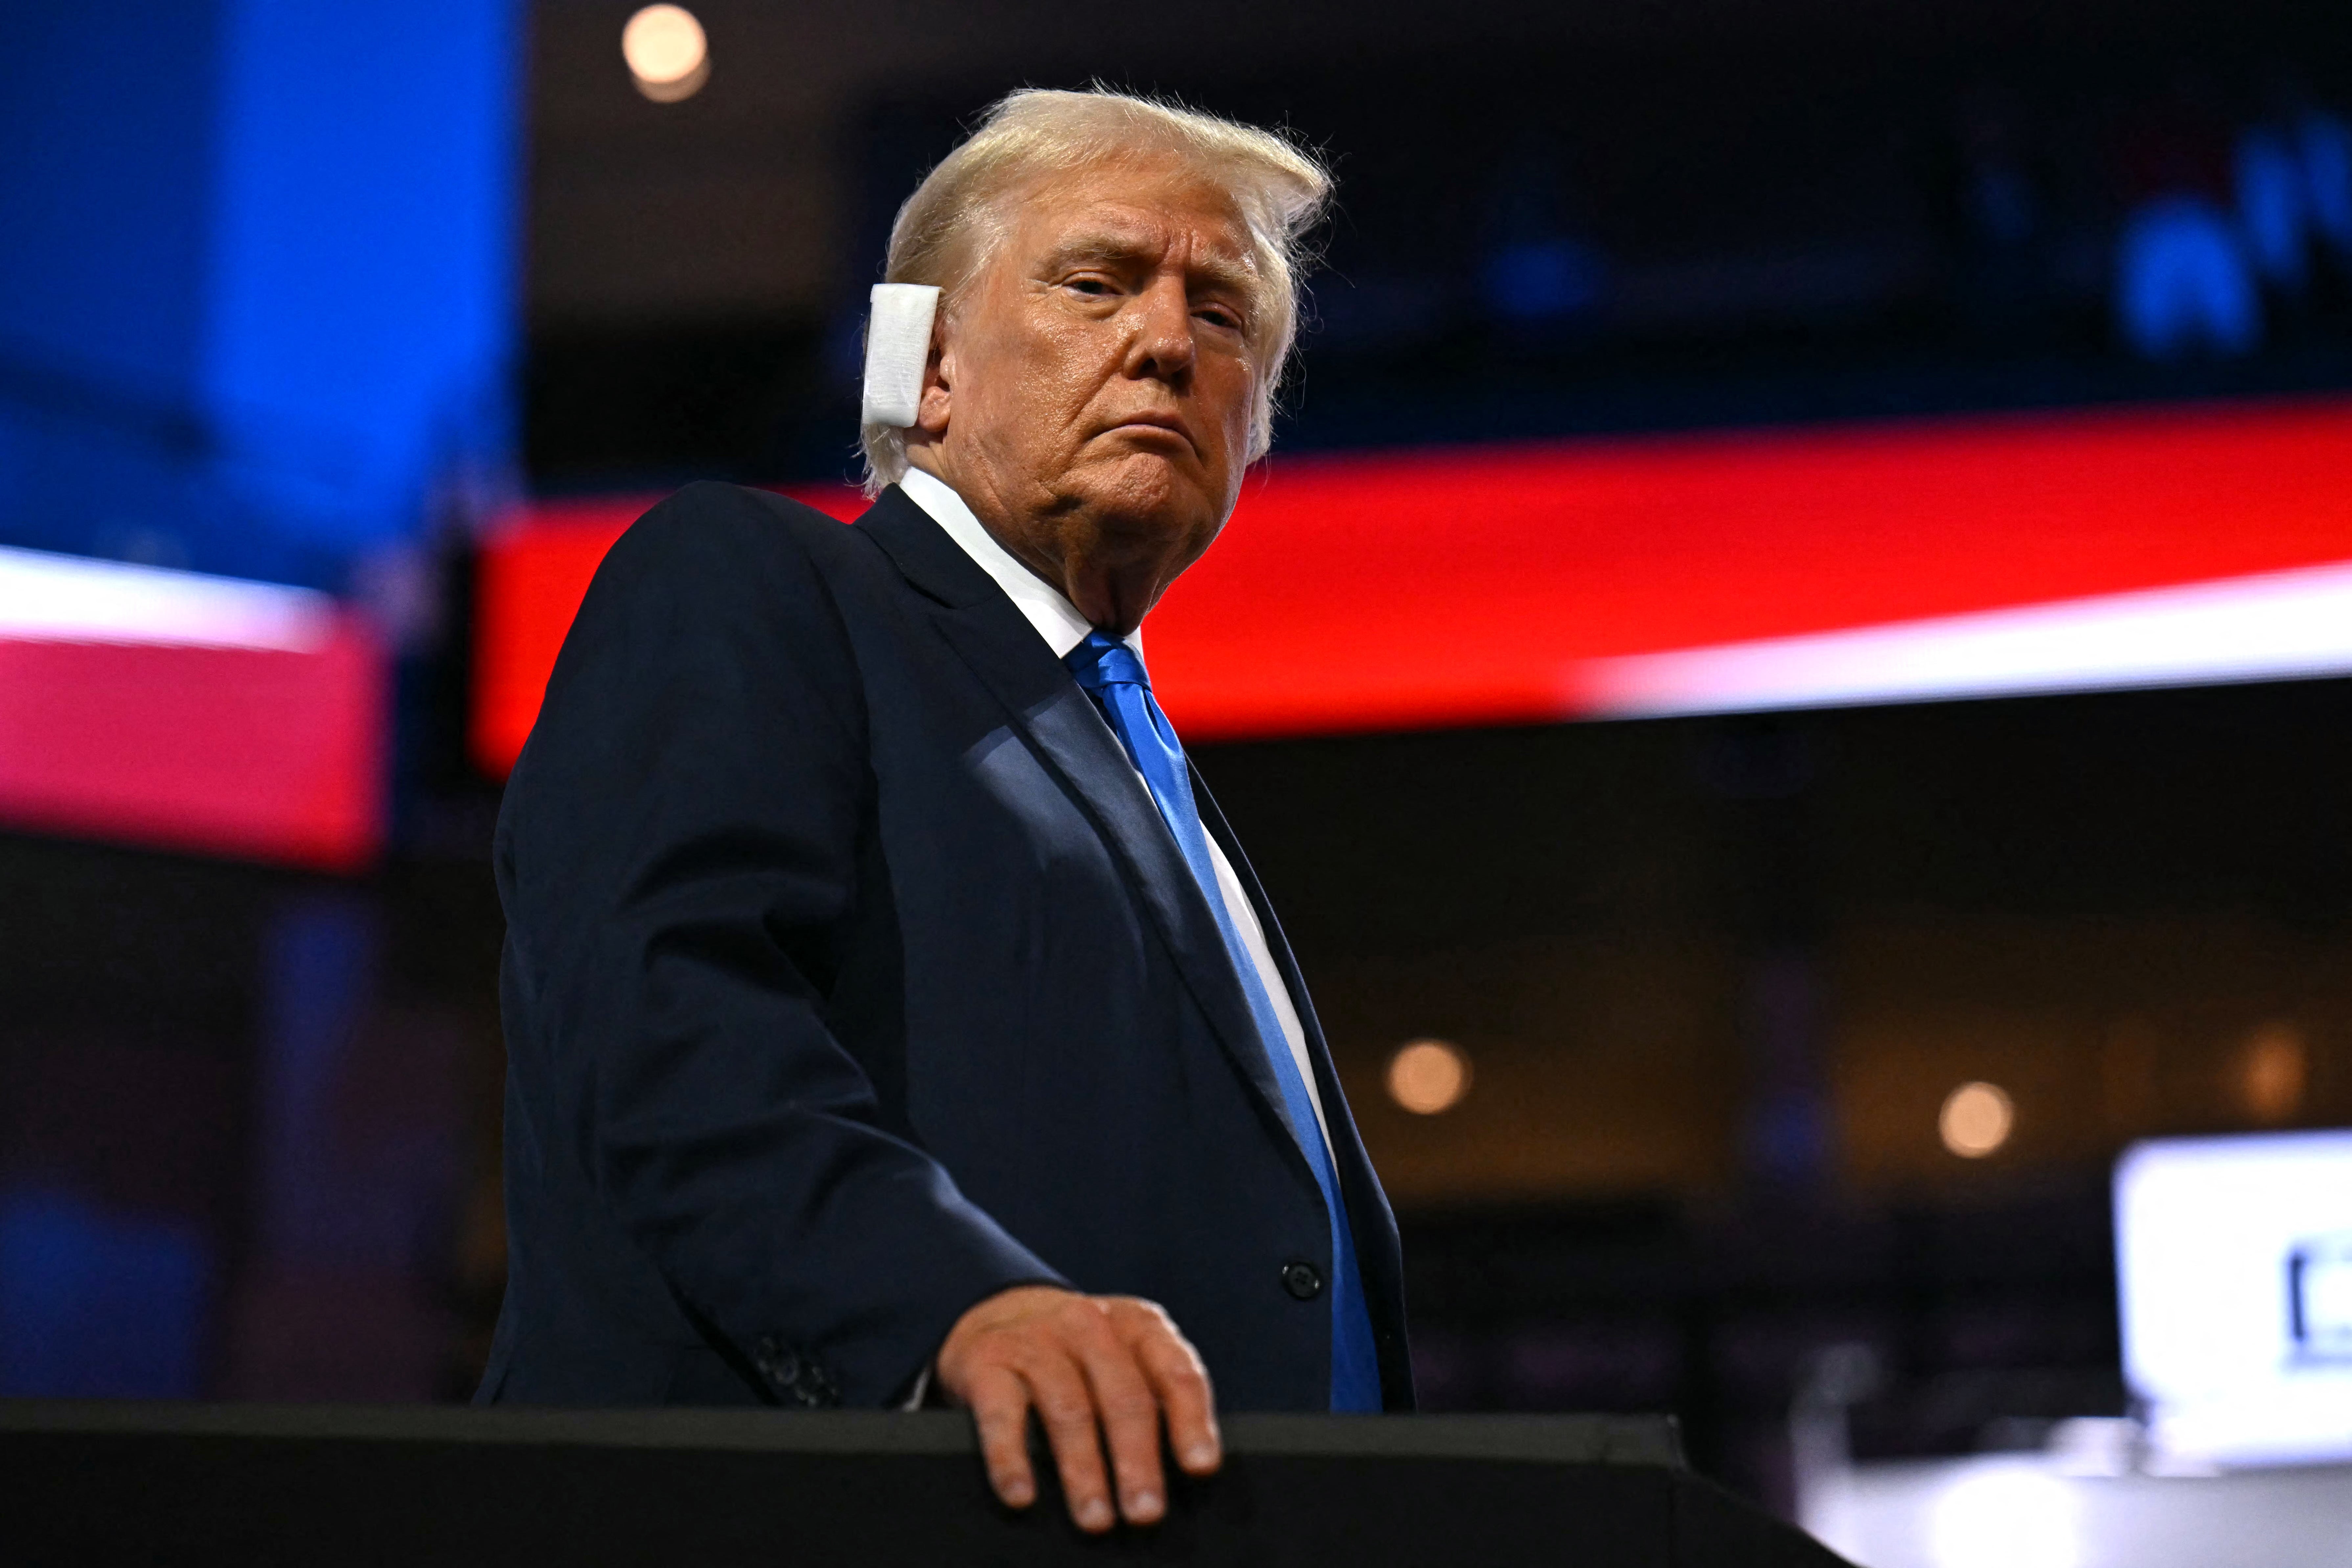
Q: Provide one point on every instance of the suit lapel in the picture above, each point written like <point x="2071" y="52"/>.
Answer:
<point x="1341" y="1124"/>
<point x="1380" y="1256"/>
<point x="1319" y="1050"/>
<point x="1061" y="724"/>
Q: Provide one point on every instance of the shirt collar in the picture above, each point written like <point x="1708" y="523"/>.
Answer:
<point x="1056" y="619"/>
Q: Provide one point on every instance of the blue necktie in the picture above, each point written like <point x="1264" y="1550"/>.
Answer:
<point x="1113" y="676"/>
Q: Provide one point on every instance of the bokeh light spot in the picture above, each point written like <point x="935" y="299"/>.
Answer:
<point x="2273" y="1071"/>
<point x="667" y="53"/>
<point x="1976" y="1120"/>
<point x="1426" y="1076"/>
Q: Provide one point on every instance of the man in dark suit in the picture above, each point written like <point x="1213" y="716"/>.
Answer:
<point x="890" y="1013"/>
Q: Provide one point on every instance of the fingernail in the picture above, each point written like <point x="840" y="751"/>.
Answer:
<point x="1019" y="1494"/>
<point x="1094" y="1515"/>
<point x="1201" y="1456"/>
<point x="1143" y="1505"/>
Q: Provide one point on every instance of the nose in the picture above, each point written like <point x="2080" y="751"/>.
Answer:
<point x="1161" y="346"/>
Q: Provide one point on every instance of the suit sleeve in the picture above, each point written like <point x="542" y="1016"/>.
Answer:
<point x="679" y="855"/>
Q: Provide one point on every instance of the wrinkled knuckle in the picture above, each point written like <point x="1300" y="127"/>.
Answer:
<point x="1031" y="1358"/>
<point x="1066" y="1410"/>
<point x="1187" y="1390"/>
<point x="1175" y="1360"/>
<point x="1080" y="1328"/>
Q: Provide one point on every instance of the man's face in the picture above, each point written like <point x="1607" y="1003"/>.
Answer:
<point x="1091" y="399"/>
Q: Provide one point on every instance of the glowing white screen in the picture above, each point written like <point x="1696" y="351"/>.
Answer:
<point x="2234" y="1263"/>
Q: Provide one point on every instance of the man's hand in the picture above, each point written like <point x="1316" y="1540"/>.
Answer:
<point x="1081" y="1361"/>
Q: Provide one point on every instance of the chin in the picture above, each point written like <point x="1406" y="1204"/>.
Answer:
<point x="1142" y="493"/>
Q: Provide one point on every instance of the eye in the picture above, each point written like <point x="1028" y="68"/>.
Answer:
<point x="1090" y="285"/>
<point x="1223" y="315"/>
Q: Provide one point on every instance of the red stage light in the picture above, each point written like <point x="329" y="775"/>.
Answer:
<point x="1534" y="582"/>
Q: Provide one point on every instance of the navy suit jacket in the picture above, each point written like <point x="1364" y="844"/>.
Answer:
<point x="851" y="976"/>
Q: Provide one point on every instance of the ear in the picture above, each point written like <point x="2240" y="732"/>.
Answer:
<point x="938" y="378"/>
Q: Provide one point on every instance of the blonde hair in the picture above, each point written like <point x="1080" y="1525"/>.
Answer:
<point x="950" y="228"/>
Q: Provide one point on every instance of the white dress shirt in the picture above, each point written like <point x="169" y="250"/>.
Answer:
<point x="1058" y="621"/>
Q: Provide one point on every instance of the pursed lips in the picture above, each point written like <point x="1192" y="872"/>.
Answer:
<point x="1152" y="419"/>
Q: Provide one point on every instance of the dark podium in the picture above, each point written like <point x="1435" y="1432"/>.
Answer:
<point x="324" y="1486"/>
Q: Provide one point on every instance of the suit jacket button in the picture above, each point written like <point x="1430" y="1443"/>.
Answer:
<point x="1302" y="1280"/>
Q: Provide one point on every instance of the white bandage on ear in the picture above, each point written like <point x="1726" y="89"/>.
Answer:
<point x="897" y="347"/>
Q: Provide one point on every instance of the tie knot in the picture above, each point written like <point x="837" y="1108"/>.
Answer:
<point x="1104" y="660"/>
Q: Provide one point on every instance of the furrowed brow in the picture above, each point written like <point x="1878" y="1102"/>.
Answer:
<point x="1111" y="249"/>
<point x="1102" y="246"/>
<point x="1227" y="274"/>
